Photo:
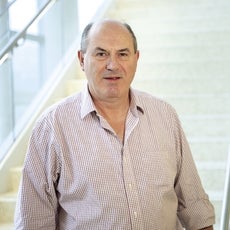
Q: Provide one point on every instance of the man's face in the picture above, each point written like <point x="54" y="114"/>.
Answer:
<point x="109" y="61"/>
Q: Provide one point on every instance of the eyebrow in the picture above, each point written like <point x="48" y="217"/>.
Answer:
<point x="100" y="49"/>
<point x="121" y="50"/>
<point x="124" y="50"/>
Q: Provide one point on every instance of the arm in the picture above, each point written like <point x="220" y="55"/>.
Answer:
<point x="37" y="202"/>
<point x="194" y="206"/>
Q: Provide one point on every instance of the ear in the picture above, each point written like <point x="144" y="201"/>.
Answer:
<point x="138" y="54"/>
<point x="81" y="59"/>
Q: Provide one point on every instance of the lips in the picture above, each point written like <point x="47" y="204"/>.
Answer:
<point x="112" y="78"/>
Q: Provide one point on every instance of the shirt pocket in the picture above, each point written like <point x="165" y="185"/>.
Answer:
<point x="160" y="168"/>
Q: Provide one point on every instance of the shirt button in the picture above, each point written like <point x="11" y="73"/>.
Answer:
<point x="130" y="186"/>
<point x="135" y="215"/>
<point x="124" y="159"/>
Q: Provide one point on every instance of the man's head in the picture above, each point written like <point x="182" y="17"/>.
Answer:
<point x="85" y="33"/>
<point x="109" y="58"/>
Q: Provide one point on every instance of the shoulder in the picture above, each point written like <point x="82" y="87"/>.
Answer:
<point x="68" y="106"/>
<point x="151" y="103"/>
<point x="158" y="112"/>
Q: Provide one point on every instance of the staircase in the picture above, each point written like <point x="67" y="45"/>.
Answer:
<point x="185" y="52"/>
<point x="184" y="59"/>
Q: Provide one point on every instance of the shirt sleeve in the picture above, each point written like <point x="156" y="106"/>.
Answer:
<point x="36" y="206"/>
<point x="195" y="211"/>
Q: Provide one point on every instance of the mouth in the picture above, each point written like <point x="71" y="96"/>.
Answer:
<point x="112" y="78"/>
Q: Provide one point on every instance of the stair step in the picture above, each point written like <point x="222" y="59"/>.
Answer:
<point x="184" y="86"/>
<point x="184" y="39"/>
<point x="7" y="207"/>
<point x="75" y="85"/>
<point x="212" y="175"/>
<point x="206" y="139"/>
<point x="209" y="150"/>
<point x="211" y="165"/>
<point x="218" y="209"/>
<point x="150" y="70"/>
<point x="210" y="126"/>
<point x="188" y="53"/>
<point x="180" y="18"/>
<point x="180" y="25"/>
<point x="171" y="10"/>
<point x="202" y="104"/>
<point x="146" y="3"/>
<point x="6" y="226"/>
<point x="15" y="175"/>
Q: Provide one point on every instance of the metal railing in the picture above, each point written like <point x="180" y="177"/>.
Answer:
<point x="224" y="225"/>
<point x="30" y="53"/>
<point x="33" y="47"/>
<point x="5" y="52"/>
<point x="9" y="4"/>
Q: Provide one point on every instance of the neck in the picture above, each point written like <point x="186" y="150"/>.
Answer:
<point x="112" y="109"/>
<point x="111" y="105"/>
<point x="115" y="113"/>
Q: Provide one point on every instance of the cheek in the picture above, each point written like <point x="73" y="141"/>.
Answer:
<point x="88" y="68"/>
<point x="93" y="66"/>
<point x="131" y="69"/>
<point x="93" y="71"/>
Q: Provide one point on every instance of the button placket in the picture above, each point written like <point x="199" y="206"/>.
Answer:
<point x="132" y="192"/>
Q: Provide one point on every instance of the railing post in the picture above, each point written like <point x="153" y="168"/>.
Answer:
<point x="6" y="113"/>
<point x="224" y="225"/>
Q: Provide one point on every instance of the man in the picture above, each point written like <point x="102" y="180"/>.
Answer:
<point x="110" y="157"/>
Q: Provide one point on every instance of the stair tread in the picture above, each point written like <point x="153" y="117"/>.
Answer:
<point x="16" y="168"/>
<point x="6" y="226"/>
<point x="211" y="165"/>
<point x="8" y="196"/>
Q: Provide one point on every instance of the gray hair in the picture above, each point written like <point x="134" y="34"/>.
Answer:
<point x="85" y="34"/>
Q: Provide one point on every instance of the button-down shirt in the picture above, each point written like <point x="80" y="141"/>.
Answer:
<point x="79" y="175"/>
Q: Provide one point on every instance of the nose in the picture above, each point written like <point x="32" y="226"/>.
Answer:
<point x="112" y="63"/>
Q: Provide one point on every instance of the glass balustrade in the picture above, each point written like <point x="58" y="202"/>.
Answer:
<point x="33" y="57"/>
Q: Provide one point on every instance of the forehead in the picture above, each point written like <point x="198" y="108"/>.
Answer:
<point x="110" y="35"/>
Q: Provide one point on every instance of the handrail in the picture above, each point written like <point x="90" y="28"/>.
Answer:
<point x="224" y="224"/>
<point x="7" y="7"/>
<point x="4" y="54"/>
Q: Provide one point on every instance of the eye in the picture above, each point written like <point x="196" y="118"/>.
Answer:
<point x="124" y="55"/>
<point x="101" y="54"/>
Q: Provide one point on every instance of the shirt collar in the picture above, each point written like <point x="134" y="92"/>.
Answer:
<point x="87" y="105"/>
<point x="135" y="104"/>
